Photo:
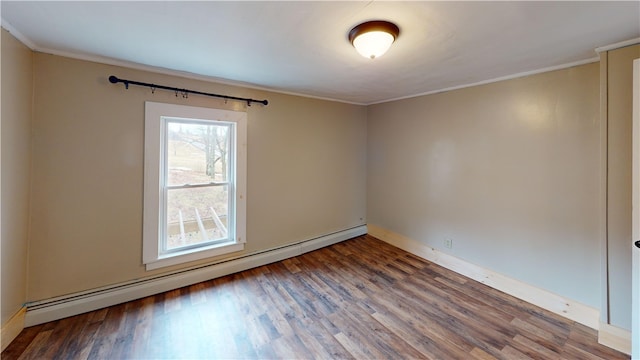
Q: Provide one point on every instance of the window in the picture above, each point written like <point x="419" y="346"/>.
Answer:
<point x="194" y="183"/>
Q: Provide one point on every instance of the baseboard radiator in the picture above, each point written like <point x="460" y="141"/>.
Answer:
<point x="73" y="304"/>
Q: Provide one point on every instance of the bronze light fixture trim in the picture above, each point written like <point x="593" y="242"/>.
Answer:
<point x="373" y="38"/>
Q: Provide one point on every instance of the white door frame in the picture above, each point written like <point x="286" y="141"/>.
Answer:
<point x="635" y="292"/>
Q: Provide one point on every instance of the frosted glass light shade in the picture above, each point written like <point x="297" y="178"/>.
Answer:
<point x="373" y="38"/>
<point x="373" y="44"/>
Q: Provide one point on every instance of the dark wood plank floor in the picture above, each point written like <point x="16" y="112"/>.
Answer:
<point x="361" y="299"/>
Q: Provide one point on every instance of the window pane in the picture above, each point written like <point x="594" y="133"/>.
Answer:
<point x="197" y="153"/>
<point x="192" y="210"/>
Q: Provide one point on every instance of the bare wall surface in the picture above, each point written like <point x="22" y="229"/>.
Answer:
<point x="620" y="89"/>
<point x="17" y="97"/>
<point x="508" y="171"/>
<point x="306" y="170"/>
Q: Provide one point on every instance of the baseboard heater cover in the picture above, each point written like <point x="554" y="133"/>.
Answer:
<point x="82" y="302"/>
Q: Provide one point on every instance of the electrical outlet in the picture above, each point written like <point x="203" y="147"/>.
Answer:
<point x="448" y="243"/>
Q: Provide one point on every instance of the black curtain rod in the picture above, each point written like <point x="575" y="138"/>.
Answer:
<point x="184" y="92"/>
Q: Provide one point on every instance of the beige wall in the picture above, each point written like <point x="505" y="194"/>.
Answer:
<point x="509" y="171"/>
<point x="306" y="170"/>
<point x="619" y="75"/>
<point x="17" y="97"/>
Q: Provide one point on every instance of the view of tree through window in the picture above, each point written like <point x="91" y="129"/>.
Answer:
<point x="197" y="171"/>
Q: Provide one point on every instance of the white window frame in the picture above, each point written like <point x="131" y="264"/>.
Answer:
<point x="156" y="117"/>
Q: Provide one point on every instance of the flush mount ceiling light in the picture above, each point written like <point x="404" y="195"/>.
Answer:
<point x="373" y="38"/>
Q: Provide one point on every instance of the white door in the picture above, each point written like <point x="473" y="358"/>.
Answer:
<point x="635" y="297"/>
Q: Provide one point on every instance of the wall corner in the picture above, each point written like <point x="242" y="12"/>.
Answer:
<point x="12" y="328"/>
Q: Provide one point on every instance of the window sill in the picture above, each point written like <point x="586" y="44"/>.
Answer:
<point x="193" y="255"/>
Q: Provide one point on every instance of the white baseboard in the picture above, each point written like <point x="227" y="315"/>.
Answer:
<point x="565" y="307"/>
<point x="12" y="328"/>
<point x="615" y="338"/>
<point x="74" y="304"/>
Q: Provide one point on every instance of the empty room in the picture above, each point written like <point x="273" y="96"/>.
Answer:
<point x="320" y="180"/>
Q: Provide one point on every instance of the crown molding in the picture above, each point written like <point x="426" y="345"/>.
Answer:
<point x="137" y="66"/>
<point x="18" y="35"/>
<point x="618" y="45"/>
<point x="498" y="79"/>
<point x="158" y="70"/>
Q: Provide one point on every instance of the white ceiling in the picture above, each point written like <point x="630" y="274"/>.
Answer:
<point x="302" y="47"/>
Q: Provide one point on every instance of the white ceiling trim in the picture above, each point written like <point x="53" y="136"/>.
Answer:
<point x="158" y="70"/>
<point x="17" y="34"/>
<point x="182" y="74"/>
<point x="618" y="45"/>
<point x="502" y="78"/>
<point x="131" y="65"/>
<point x="465" y="49"/>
